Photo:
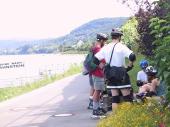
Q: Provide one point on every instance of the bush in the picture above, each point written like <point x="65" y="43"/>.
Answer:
<point x="137" y="115"/>
<point x="160" y="29"/>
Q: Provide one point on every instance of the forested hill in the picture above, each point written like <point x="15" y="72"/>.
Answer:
<point x="85" y="33"/>
<point x="88" y="31"/>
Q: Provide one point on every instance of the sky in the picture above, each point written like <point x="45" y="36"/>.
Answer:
<point x="38" y="19"/>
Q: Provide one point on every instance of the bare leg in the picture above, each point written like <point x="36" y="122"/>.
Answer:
<point x="91" y="92"/>
<point x="96" y="98"/>
<point x="96" y="95"/>
<point x="125" y="92"/>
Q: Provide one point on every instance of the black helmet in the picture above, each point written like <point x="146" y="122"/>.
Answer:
<point x="101" y="36"/>
<point x="116" y="32"/>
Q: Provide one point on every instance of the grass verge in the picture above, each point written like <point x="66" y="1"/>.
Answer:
<point x="7" y="93"/>
<point x="134" y="71"/>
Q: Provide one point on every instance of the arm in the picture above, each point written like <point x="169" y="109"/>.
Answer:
<point x="129" y="53"/>
<point x="155" y="83"/>
<point x="99" y="56"/>
<point x="132" y="59"/>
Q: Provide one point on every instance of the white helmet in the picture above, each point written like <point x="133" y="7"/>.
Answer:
<point x="151" y="71"/>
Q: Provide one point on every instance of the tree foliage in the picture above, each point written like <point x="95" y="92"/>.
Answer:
<point x="160" y="26"/>
<point x="144" y="12"/>
<point x="130" y="34"/>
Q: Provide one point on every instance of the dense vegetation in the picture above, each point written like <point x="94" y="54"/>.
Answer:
<point x="149" y="114"/>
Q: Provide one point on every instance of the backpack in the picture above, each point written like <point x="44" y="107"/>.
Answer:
<point x="88" y="63"/>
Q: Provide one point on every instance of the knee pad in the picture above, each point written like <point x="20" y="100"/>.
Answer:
<point x="115" y="99"/>
<point x="128" y="98"/>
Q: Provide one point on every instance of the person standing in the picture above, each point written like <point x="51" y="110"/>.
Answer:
<point x="98" y="77"/>
<point x="120" y="52"/>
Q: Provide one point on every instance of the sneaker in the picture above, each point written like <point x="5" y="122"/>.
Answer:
<point x="90" y="106"/>
<point x="140" y="95"/>
<point x="97" y="114"/>
<point x="102" y="110"/>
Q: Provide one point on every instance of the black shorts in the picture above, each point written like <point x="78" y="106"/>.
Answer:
<point x="116" y="84"/>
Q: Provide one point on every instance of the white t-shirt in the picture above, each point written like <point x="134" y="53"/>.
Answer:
<point x="142" y="76"/>
<point x="120" y="52"/>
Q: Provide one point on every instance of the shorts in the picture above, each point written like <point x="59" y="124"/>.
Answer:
<point x="91" y="80"/>
<point x="98" y="83"/>
<point x="114" y="84"/>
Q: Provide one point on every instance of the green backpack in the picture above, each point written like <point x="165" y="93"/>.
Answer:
<point x="88" y="63"/>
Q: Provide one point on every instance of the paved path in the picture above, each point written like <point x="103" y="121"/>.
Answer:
<point x="37" y="108"/>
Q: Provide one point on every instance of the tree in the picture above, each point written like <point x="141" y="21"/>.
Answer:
<point x="144" y="12"/>
<point x="161" y="31"/>
<point x="130" y="34"/>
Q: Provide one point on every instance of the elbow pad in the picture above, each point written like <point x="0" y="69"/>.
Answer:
<point x="96" y="61"/>
<point x="139" y="83"/>
<point x="132" y="57"/>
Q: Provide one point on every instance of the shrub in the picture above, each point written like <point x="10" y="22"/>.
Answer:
<point x="137" y="115"/>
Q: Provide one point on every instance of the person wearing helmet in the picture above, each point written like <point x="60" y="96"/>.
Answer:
<point x="141" y="75"/>
<point x="149" y="89"/>
<point x="98" y="77"/>
<point x="114" y="54"/>
<point x="151" y="72"/>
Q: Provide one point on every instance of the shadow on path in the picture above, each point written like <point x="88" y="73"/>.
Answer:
<point x="71" y="99"/>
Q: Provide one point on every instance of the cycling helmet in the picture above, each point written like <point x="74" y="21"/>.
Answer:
<point x="144" y="64"/>
<point x="101" y="36"/>
<point x="151" y="71"/>
<point x="116" y="32"/>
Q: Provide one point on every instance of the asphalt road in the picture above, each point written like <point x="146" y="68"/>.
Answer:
<point x="40" y="107"/>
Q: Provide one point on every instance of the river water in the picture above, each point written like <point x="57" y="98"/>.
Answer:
<point x="19" y="69"/>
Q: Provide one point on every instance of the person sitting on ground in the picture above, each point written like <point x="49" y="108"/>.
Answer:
<point x="149" y="89"/>
<point x="142" y="77"/>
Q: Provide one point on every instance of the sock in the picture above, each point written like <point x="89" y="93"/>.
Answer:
<point x="91" y="97"/>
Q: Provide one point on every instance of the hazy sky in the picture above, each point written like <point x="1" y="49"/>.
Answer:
<point x="35" y="19"/>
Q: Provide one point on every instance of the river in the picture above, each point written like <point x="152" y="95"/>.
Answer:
<point x="19" y="69"/>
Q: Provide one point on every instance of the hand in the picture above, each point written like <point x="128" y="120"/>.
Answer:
<point x="129" y="68"/>
<point x="101" y="65"/>
<point x="130" y="64"/>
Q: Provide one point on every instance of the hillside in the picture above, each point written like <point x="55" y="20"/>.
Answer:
<point x="85" y="33"/>
<point x="88" y="31"/>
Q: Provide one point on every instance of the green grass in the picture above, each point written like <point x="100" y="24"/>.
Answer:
<point x="7" y="93"/>
<point x="134" y="71"/>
